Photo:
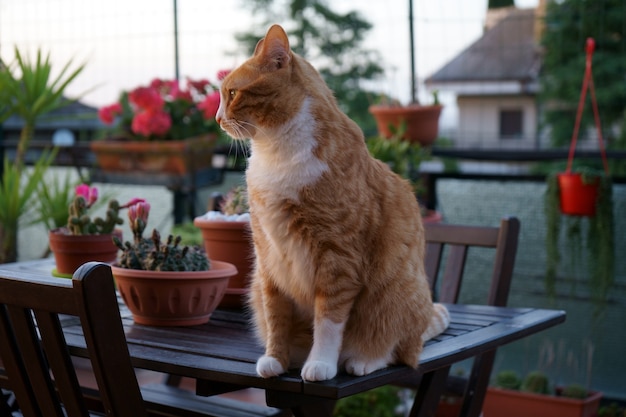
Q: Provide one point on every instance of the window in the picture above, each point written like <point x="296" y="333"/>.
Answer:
<point x="511" y="124"/>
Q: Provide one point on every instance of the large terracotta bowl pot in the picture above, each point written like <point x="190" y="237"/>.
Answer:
<point x="164" y="298"/>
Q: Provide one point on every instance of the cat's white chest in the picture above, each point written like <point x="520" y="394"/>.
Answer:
<point x="283" y="161"/>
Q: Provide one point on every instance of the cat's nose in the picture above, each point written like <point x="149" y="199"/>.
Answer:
<point x="219" y="114"/>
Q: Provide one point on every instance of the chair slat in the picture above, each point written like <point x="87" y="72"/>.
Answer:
<point x="101" y="316"/>
<point x="453" y="274"/>
<point x="35" y="364"/>
<point x="432" y="261"/>
<point x="14" y="367"/>
<point x="60" y="363"/>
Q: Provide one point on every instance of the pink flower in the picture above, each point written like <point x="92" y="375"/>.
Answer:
<point x="138" y="218"/>
<point x="139" y="210"/>
<point x="146" y="98"/>
<point x="90" y="194"/>
<point x="150" y="122"/>
<point x="210" y="105"/>
<point x="133" y="202"/>
<point x="107" y="113"/>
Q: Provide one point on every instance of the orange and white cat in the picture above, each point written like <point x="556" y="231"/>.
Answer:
<point x="339" y="279"/>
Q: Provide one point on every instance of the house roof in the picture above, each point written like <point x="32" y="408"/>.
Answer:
<point x="75" y="115"/>
<point x="506" y="52"/>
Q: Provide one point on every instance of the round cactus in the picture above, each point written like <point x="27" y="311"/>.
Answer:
<point x="536" y="382"/>
<point x="507" y="380"/>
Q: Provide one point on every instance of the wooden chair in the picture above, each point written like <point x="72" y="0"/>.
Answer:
<point x="459" y="239"/>
<point x="445" y="274"/>
<point x="38" y="367"/>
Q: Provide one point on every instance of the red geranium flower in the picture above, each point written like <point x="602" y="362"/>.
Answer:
<point x="107" y="113"/>
<point x="166" y="110"/>
<point x="146" y="98"/>
<point x="151" y="122"/>
<point x="210" y="105"/>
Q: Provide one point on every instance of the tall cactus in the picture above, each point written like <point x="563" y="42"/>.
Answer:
<point x="80" y="223"/>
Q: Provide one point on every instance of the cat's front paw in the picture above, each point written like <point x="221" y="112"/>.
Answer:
<point x="269" y="366"/>
<point x="361" y="367"/>
<point x="318" y="371"/>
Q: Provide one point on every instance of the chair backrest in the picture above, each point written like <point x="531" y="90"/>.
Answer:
<point x="459" y="239"/>
<point x="33" y="349"/>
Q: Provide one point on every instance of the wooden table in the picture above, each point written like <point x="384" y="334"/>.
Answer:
<point x="221" y="354"/>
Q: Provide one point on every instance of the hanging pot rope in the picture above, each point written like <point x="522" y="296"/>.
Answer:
<point x="588" y="85"/>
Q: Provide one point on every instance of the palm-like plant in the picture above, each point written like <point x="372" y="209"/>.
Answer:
<point x="16" y="191"/>
<point x="28" y="91"/>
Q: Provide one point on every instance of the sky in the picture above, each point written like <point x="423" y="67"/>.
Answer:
<point x="126" y="43"/>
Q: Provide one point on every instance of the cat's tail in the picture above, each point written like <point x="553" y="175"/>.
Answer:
<point x="438" y="322"/>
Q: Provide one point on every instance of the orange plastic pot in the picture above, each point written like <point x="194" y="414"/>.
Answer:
<point x="577" y="198"/>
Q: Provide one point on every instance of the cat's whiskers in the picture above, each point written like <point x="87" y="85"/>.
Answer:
<point x="259" y="129"/>
<point x="240" y="130"/>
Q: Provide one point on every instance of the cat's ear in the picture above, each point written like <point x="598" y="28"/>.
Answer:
<point x="274" y="48"/>
<point x="258" y="47"/>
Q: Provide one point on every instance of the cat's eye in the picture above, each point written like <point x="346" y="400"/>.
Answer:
<point x="232" y="93"/>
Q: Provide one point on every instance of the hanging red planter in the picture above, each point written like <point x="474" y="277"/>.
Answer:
<point x="579" y="195"/>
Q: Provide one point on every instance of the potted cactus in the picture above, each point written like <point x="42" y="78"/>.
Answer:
<point x="165" y="283"/>
<point x="511" y="396"/>
<point x="227" y="237"/>
<point x="85" y="238"/>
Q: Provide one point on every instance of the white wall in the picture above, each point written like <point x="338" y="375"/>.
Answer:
<point x="479" y="120"/>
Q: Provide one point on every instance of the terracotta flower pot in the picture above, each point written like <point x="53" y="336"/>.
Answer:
<point x="164" y="298"/>
<point x="507" y="403"/>
<point x="577" y="198"/>
<point x="170" y="156"/>
<point x="71" y="251"/>
<point x="230" y="242"/>
<point x="422" y="122"/>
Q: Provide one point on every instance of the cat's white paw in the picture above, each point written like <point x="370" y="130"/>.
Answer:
<point x="318" y="371"/>
<point x="361" y="367"/>
<point x="269" y="366"/>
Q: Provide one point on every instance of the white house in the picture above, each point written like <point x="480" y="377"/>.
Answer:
<point x="495" y="81"/>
